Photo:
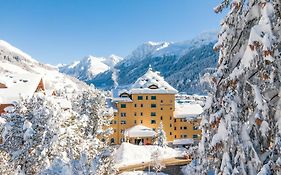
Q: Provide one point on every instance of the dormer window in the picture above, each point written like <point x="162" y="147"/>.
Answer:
<point x="153" y="87"/>
<point x="124" y="95"/>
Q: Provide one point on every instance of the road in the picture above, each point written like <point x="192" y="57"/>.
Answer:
<point x="147" y="165"/>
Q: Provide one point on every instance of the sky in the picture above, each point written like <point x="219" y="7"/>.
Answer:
<point x="61" y="31"/>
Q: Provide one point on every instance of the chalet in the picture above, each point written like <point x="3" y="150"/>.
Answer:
<point x="15" y="86"/>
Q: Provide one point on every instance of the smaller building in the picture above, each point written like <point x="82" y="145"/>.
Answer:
<point x="186" y="123"/>
<point x="16" y="86"/>
<point x="140" y="134"/>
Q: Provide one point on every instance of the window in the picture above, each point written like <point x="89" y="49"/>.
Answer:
<point x="153" y="97"/>
<point x="175" y="120"/>
<point x="123" y="122"/>
<point x="161" y="118"/>
<point x="123" y="105"/>
<point x="153" y="114"/>
<point x="135" y="105"/>
<point x="171" y="108"/>
<point x="140" y="98"/>
<point x="115" y="114"/>
<point x="123" y="114"/>
<point x="122" y="131"/>
<point x="146" y="97"/>
<point x="135" y="122"/>
<point x="171" y="133"/>
<point x="183" y="120"/>
<point x="141" y="121"/>
<point x="170" y="118"/>
<point x="135" y="114"/>
<point x="153" y="105"/>
<point x="115" y="122"/>
<point x="161" y="108"/>
<point x="111" y="122"/>
<point x="141" y="114"/>
<point x="180" y="127"/>
<point x="195" y="136"/>
<point x="153" y="121"/>
<point x="175" y="136"/>
<point x="183" y="136"/>
<point x="195" y="127"/>
<point x="185" y="128"/>
<point x="161" y="101"/>
<point x="141" y="105"/>
<point x="175" y="128"/>
<point x="170" y="125"/>
<point x="112" y="140"/>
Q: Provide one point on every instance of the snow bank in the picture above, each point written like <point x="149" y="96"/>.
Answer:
<point x="129" y="154"/>
<point x="141" y="173"/>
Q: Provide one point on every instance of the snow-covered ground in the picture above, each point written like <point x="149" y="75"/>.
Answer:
<point x="129" y="154"/>
<point x="141" y="173"/>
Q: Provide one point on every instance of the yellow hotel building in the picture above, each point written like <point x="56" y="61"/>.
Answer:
<point x="140" y="110"/>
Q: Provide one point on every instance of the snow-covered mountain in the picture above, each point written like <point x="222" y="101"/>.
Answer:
<point x="160" y="49"/>
<point x="181" y="63"/>
<point x="15" y="61"/>
<point x="90" y="66"/>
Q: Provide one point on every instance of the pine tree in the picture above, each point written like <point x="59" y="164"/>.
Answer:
<point x="241" y="123"/>
<point x="157" y="164"/>
<point x="27" y="135"/>
<point x="91" y="107"/>
<point x="162" y="139"/>
<point x="39" y="137"/>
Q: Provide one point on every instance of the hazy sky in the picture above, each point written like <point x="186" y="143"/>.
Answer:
<point x="60" y="31"/>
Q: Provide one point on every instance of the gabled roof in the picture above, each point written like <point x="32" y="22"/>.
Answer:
<point x="139" y="131"/>
<point x="152" y="82"/>
<point x="18" y="85"/>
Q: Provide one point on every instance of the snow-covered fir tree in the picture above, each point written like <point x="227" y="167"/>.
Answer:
<point x="241" y="125"/>
<point x="40" y="137"/>
<point x="92" y="110"/>
<point x="162" y="139"/>
<point x="157" y="164"/>
<point x="27" y="135"/>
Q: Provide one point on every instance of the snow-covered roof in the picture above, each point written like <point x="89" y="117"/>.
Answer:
<point x="185" y="110"/>
<point x="152" y="82"/>
<point x="183" y="141"/>
<point x="140" y="131"/>
<point x="18" y="85"/>
<point x="122" y="99"/>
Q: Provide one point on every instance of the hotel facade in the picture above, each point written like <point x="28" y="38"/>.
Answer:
<point x="149" y="101"/>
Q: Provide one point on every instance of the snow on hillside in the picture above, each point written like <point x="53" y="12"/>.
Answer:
<point x="181" y="64"/>
<point x="90" y="66"/>
<point x="14" y="61"/>
<point x="129" y="154"/>
<point x="14" y="51"/>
